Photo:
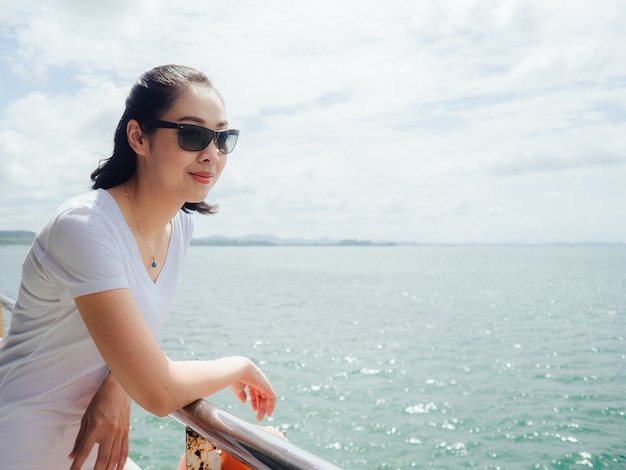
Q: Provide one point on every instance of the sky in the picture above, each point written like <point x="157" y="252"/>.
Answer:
<point x="430" y="121"/>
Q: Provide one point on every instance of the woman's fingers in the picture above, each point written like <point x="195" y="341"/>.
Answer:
<point x="262" y="403"/>
<point x="262" y="395"/>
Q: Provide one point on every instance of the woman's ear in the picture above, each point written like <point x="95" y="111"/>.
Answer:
<point x="137" y="139"/>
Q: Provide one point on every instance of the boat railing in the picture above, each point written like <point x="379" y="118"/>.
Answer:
<point x="246" y="442"/>
<point x="224" y="432"/>
<point x="7" y="303"/>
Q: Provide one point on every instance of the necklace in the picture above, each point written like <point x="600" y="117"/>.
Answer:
<point x="132" y="209"/>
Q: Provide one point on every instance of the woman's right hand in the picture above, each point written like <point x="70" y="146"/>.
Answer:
<point x="262" y="395"/>
<point x="106" y="422"/>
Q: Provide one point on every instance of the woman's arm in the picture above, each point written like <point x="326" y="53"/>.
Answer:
<point x="155" y="382"/>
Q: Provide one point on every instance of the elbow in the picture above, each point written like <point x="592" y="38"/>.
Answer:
<point x="159" y="403"/>
<point x="162" y="393"/>
<point x="158" y="406"/>
<point x="163" y="412"/>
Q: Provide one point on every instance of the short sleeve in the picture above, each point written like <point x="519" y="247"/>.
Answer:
<point x="81" y="254"/>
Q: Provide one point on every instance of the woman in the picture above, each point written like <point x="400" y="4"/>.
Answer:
<point x="99" y="279"/>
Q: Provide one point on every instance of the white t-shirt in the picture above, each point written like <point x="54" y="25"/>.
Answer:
<point x="49" y="365"/>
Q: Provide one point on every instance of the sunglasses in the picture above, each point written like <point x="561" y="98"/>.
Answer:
<point x="195" y="138"/>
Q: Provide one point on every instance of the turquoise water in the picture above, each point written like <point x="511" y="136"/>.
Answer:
<point x="402" y="357"/>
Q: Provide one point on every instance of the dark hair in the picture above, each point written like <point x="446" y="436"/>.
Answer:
<point x="151" y="96"/>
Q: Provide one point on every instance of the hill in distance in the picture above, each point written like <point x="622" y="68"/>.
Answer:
<point x="16" y="237"/>
<point x="269" y="240"/>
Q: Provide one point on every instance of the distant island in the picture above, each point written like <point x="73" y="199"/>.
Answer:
<point x="268" y="240"/>
<point x="23" y="237"/>
<point x="16" y="237"/>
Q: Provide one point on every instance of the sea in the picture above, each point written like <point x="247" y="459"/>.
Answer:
<point x="398" y="357"/>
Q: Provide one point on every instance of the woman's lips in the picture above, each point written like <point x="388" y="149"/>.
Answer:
<point x="202" y="177"/>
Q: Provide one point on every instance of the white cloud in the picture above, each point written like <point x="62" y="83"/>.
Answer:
<point x="428" y="121"/>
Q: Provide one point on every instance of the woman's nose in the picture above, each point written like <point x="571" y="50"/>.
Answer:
<point x="211" y="153"/>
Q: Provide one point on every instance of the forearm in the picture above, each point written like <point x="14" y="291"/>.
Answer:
<point x="189" y="380"/>
<point x="170" y="385"/>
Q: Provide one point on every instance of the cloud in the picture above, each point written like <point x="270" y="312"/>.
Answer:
<point x="431" y="120"/>
<point x="551" y="163"/>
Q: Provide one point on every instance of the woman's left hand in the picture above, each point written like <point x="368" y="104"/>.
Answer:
<point x="262" y="395"/>
<point x="105" y="422"/>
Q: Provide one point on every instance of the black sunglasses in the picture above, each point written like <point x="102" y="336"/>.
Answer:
<point x="195" y="138"/>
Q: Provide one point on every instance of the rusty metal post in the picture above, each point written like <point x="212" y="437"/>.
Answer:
<point x="201" y="454"/>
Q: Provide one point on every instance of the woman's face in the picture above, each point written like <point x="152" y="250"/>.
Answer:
<point x="186" y="175"/>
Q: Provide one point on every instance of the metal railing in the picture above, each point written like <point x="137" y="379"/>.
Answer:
<point x="248" y="443"/>
<point x="8" y="304"/>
